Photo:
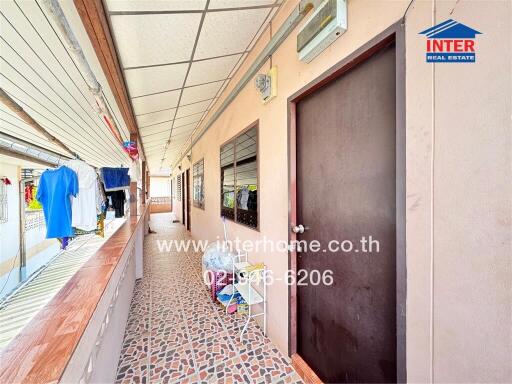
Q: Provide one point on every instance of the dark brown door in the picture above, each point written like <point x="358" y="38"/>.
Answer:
<point x="189" y="198"/>
<point x="183" y="197"/>
<point x="346" y="332"/>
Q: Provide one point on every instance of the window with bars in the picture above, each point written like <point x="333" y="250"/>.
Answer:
<point x="239" y="178"/>
<point x="178" y="187"/>
<point x="198" y="184"/>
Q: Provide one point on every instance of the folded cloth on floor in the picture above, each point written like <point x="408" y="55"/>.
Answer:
<point x="115" y="179"/>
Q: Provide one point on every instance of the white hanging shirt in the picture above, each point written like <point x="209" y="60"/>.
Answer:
<point x="134" y="171"/>
<point x="83" y="208"/>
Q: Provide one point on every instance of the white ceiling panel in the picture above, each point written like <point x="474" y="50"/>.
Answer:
<point x="217" y="4"/>
<point x="181" y="135"/>
<point x="159" y="5"/>
<point x="156" y="128"/>
<point x="183" y="128"/>
<point x="238" y="64"/>
<point x="155" y="118"/>
<point x="187" y="120"/>
<point x="200" y="92"/>
<point x="211" y="70"/>
<point x="155" y="102"/>
<point x="156" y="38"/>
<point x="263" y="27"/>
<point x="144" y="81"/>
<point x="160" y="138"/>
<point x="190" y="109"/>
<point x="229" y="32"/>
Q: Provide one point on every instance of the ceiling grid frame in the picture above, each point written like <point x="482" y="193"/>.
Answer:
<point x="160" y="112"/>
<point x="237" y="66"/>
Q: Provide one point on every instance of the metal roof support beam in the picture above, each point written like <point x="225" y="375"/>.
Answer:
<point x="22" y="114"/>
<point x="57" y="15"/>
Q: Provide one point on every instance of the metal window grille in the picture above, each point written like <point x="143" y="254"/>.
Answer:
<point x="178" y="186"/>
<point x="239" y="178"/>
<point x="198" y="183"/>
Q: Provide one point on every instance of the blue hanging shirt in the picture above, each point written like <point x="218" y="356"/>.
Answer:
<point x="55" y="189"/>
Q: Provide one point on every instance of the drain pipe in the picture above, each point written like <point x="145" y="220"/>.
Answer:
<point x="56" y="13"/>
<point x="298" y="13"/>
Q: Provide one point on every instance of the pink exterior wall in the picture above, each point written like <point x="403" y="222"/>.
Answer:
<point x="459" y="190"/>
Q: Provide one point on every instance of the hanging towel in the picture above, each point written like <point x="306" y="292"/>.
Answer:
<point x="56" y="186"/>
<point x="115" y="179"/>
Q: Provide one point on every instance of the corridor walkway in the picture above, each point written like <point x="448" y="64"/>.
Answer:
<point x="175" y="334"/>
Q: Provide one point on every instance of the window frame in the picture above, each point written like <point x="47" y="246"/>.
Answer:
<point x="196" y="203"/>
<point x="233" y="140"/>
<point x="179" y="187"/>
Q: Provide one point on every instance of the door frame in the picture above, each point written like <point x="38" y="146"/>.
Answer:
<point x="393" y="34"/>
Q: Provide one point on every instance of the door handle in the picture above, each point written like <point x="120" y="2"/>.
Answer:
<point x="299" y="228"/>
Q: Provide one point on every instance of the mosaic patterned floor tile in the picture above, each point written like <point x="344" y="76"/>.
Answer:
<point x="204" y="327"/>
<point x="172" y="364"/>
<point x="252" y="339"/>
<point x="176" y="334"/>
<point x="266" y="364"/>
<point x="133" y="372"/>
<point x="228" y="372"/>
<point x="292" y="378"/>
<point x="168" y="335"/>
<point x="214" y="350"/>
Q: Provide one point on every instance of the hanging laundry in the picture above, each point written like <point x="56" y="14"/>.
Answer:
<point x="134" y="171"/>
<point x="115" y="179"/>
<point x="118" y="199"/>
<point x="64" y="242"/>
<point x="101" y="198"/>
<point x="56" y="186"/>
<point x="99" y="230"/>
<point x="28" y="193"/>
<point x="84" y="215"/>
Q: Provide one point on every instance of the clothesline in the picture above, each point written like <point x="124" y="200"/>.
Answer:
<point x="74" y="196"/>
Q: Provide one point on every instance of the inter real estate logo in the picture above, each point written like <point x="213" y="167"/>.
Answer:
<point x="450" y="42"/>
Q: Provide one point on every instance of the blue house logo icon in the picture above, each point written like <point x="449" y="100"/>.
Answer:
<point x="450" y="42"/>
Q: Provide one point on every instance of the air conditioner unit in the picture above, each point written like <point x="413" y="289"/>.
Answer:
<point x="326" y="24"/>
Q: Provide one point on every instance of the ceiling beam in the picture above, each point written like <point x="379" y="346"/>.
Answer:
<point x="93" y="16"/>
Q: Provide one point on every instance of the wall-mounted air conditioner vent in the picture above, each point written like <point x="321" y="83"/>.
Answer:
<point x="326" y="24"/>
